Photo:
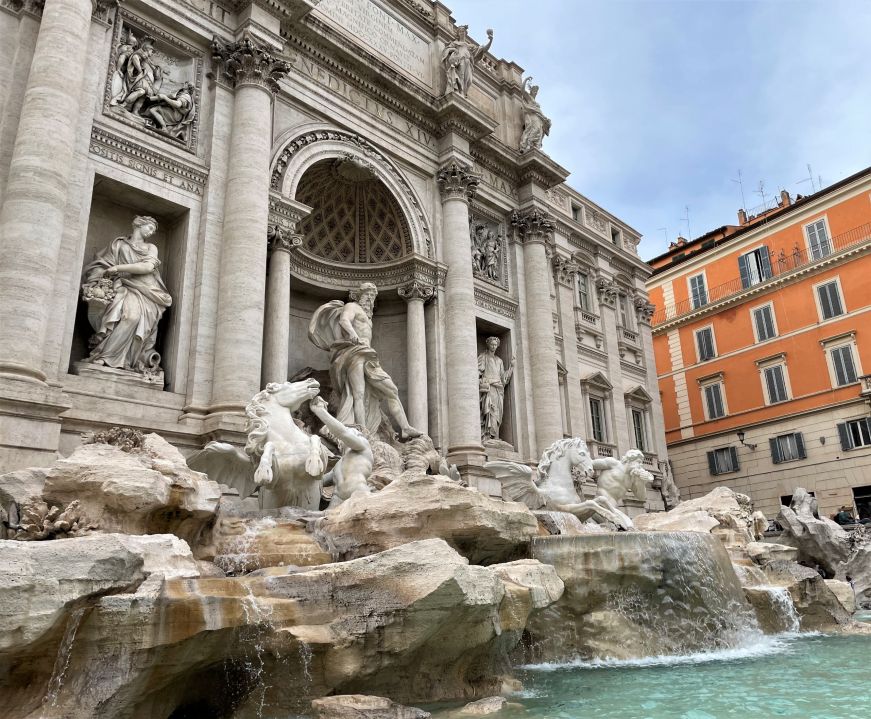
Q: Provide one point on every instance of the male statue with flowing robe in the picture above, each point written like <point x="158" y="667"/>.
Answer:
<point x="345" y="330"/>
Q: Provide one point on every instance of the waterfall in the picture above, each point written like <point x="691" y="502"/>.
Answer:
<point x="62" y="661"/>
<point x="783" y="608"/>
<point x="640" y="594"/>
<point x="237" y="554"/>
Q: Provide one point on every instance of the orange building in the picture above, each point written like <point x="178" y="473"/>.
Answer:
<point x="761" y="335"/>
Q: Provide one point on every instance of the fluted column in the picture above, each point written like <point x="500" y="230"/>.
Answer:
<point x="32" y="216"/>
<point x="458" y="184"/>
<point x="276" y="336"/>
<point x="536" y="231"/>
<point x="416" y="294"/>
<point x="254" y="72"/>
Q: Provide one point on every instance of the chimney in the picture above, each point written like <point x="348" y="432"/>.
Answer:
<point x="785" y="199"/>
<point x="742" y="217"/>
<point x="681" y="241"/>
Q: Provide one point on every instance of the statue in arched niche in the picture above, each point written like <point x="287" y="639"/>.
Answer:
<point x="126" y="298"/>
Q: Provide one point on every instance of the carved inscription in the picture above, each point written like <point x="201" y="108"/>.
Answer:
<point x="381" y="32"/>
<point x="364" y="102"/>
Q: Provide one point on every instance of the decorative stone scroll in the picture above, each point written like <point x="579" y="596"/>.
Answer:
<point x="489" y="259"/>
<point x="248" y="62"/>
<point x="416" y="290"/>
<point x="153" y="81"/>
<point x="281" y="240"/>
<point x="458" y="181"/>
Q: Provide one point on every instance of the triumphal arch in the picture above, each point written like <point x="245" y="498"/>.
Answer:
<point x="184" y="183"/>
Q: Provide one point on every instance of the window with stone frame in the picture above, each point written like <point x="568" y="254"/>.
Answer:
<point x="598" y="425"/>
<point x="584" y="297"/>
<point x="819" y="244"/>
<point x="764" y="327"/>
<point x="639" y="428"/>
<point x="855" y="433"/>
<point x="705" y="346"/>
<point x="774" y="378"/>
<point x="624" y="303"/>
<point x="842" y="358"/>
<point x="723" y="460"/>
<point x="713" y="397"/>
<point x="829" y="302"/>
<point x="787" y="447"/>
<point x="754" y="267"/>
<point x="698" y="291"/>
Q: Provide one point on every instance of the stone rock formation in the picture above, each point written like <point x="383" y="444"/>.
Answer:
<point x="482" y="529"/>
<point x="725" y="513"/>
<point x="764" y="552"/>
<point x="361" y="706"/>
<point x="147" y="490"/>
<point x="816" y="604"/>
<point x="844" y="592"/>
<point x="818" y="540"/>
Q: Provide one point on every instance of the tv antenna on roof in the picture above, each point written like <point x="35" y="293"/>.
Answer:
<point x="810" y="178"/>
<point x="761" y="191"/>
<point x="663" y="230"/>
<point x="740" y="182"/>
<point x="687" y="220"/>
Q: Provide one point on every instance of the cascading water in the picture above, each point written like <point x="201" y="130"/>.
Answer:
<point x="62" y="661"/>
<point x="781" y="599"/>
<point x="239" y="554"/>
<point x="640" y="594"/>
<point x="775" y="608"/>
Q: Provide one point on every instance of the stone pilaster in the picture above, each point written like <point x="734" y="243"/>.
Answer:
<point x="458" y="184"/>
<point x="536" y="231"/>
<point x="254" y="72"/>
<point x="416" y="294"/>
<point x="32" y="216"/>
<point x="565" y="272"/>
<point x="276" y="336"/>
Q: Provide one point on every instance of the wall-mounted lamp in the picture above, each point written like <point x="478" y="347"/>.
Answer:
<point x="741" y="436"/>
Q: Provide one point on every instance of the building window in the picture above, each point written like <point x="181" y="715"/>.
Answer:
<point x="723" y="460"/>
<point x="576" y="213"/>
<point x="705" y="344"/>
<point x="597" y="419"/>
<point x="698" y="291"/>
<point x="639" y="430"/>
<point x="787" y="447"/>
<point x="715" y="406"/>
<point x="829" y="300"/>
<point x="625" y="312"/>
<point x="615" y="236"/>
<point x="855" y="433"/>
<point x="774" y="379"/>
<point x="584" y="292"/>
<point x="818" y="240"/>
<point x="763" y="322"/>
<point x="754" y="267"/>
<point x="843" y="366"/>
<point x="862" y="500"/>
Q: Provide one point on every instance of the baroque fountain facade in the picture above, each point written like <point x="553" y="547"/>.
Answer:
<point x="352" y="394"/>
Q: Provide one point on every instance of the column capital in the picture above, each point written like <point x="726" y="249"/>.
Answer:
<point x="564" y="269"/>
<point x="607" y="290"/>
<point x="280" y="239"/>
<point x="644" y="308"/>
<point x="458" y="181"/>
<point x="534" y="225"/>
<point x="103" y="9"/>
<point x="248" y="62"/>
<point x="416" y="290"/>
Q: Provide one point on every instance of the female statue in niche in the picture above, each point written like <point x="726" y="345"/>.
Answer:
<point x="126" y="298"/>
<point x="492" y="379"/>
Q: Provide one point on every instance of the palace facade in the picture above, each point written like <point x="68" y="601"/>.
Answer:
<point x="288" y="150"/>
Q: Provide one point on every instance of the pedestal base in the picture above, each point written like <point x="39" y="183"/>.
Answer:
<point x="125" y="376"/>
<point x="29" y="423"/>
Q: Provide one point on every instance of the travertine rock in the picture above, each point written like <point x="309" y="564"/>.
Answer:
<point x="816" y="604"/>
<point x="858" y="566"/>
<point x="844" y="592"/>
<point x="819" y="541"/>
<point x="482" y="529"/>
<point x="725" y="513"/>
<point x="163" y="554"/>
<point x="482" y="707"/>
<point x="21" y="486"/>
<point x="361" y="706"/>
<point x="764" y="552"/>
<point x="414" y="623"/>
<point x="145" y="491"/>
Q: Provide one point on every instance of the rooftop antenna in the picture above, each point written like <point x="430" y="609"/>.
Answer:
<point x="810" y="178"/>
<point x="663" y="230"/>
<point x="687" y="220"/>
<point x="761" y="191"/>
<point x="740" y="182"/>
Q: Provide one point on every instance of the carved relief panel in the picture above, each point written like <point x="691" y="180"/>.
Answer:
<point x="154" y="81"/>
<point x="489" y="251"/>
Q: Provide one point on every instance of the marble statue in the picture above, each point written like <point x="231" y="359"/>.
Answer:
<point x="136" y="89"/>
<point x="281" y="458"/>
<point x="486" y="252"/>
<point x="554" y="489"/>
<point x="351" y="472"/>
<point x="492" y="380"/>
<point x="459" y="58"/>
<point x="126" y="298"/>
<point x="345" y="330"/>
<point x="535" y="124"/>
<point x="618" y="477"/>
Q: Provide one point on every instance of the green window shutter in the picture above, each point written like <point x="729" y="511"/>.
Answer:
<point x="844" y="436"/>
<point x="734" y="453"/>
<point x="744" y="271"/>
<point x="799" y="442"/>
<point x="776" y="457"/>
<point x="765" y="262"/>
<point x="712" y="463"/>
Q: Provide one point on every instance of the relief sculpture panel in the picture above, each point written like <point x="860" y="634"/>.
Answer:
<point x="489" y="258"/>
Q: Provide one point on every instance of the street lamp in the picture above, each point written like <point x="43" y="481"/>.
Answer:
<point x="741" y="436"/>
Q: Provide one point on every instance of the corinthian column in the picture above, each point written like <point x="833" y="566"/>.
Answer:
<point x="277" y="332"/>
<point x="417" y="294"/>
<point x="254" y="72"/>
<point x="32" y="216"/>
<point x="458" y="184"/>
<point x="536" y="231"/>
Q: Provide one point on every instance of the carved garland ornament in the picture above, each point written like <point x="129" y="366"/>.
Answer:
<point x="458" y="181"/>
<point x="363" y="147"/>
<point x="247" y="62"/>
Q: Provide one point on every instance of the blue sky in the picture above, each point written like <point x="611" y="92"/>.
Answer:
<point x="657" y="105"/>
